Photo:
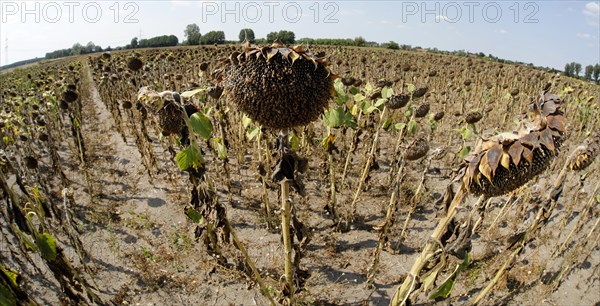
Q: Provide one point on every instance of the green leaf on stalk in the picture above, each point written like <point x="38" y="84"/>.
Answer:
<point x="334" y="117"/>
<point x="191" y="93"/>
<point x="246" y="121"/>
<point x="399" y="126"/>
<point x="386" y="124"/>
<point x="354" y="110"/>
<point x="194" y="215"/>
<point x="430" y="277"/>
<point x="341" y="97"/>
<point x="359" y="97"/>
<point x="466" y="133"/>
<point x="47" y="246"/>
<point x="444" y="290"/>
<point x="412" y="127"/>
<point x="410" y="87"/>
<point x="201" y="125"/>
<point x="353" y="90"/>
<point x="189" y="158"/>
<point x="370" y="109"/>
<point x="338" y="117"/>
<point x="387" y="92"/>
<point x="252" y="133"/>
<point x="294" y="141"/>
<point x="380" y="102"/>
<point x="349" y="121"/>
<point x="464" y="152"/>
<point x="221" y="149"/>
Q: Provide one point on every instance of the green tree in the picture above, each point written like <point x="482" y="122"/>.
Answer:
<point x="596" y="73"/>
<point x="287" y="37"/>
<point x="192" y="34"/>
<point x="76" y="49"/>
<point x="577" y="68"/>
<point x="569" y="69"/>
<point x="213" y="37"/>
<point x="247" y="34"/>
<point x="134" y="43"/>
<point x="589" y="70"/>
<point x="393" y="45"/>
<point x="272" y="36"/>
<point x="360" y="41"/>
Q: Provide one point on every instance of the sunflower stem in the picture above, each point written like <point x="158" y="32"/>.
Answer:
<point x="287" y="241"/>
<point x="366" y="168"/>
<point x="389" y="216"/>
<point x="410" y="282"/>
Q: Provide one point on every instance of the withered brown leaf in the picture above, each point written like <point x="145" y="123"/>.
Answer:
<point x="528" y="155"/>
<point x="547" y="141"/>
<point x="556" y="123"/>
<point x="484" y="168"/>
<point x="515" y="151"/>
<point x="493" y="157"/>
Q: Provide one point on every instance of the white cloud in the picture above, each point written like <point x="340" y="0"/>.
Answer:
<point x="584" y="35"/>
<point x="501" y="31"/>
<point x="592" y="13"/>
<point x="592" y="9"/>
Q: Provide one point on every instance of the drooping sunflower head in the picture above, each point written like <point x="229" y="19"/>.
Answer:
<point x="276" y="86"/>
<point x="506" y="161"/>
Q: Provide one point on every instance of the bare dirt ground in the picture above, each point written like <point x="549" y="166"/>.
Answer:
<point x="144" y="252"/>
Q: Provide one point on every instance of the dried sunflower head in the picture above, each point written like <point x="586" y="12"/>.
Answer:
<point x="276" y="86"/>
<point x="506" y="161"/>
<point x="584" y="155"/>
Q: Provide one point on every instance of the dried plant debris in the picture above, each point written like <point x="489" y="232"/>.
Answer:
<point x="506" y="161"/>
<point x="584" y="155"/>
<point x="276" y="86"/>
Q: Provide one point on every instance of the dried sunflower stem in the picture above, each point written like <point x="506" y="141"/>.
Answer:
<point x="389" y="216"/>
<point x="352" y="149"/>
<point x="265" y="194"/>
<point x="287" y="241"/>
<point x="365" y="172"/>
<point x="242" y="249"/>
<point x="541" y="218"/>
<point x="414" y="200"/>
<point x="397" y="148"/>
<point x="404" y="290"/>
<point x="332" y="199"/>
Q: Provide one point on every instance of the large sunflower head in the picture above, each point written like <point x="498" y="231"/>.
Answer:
<point x="276" y="86"/>
<point x="507" y="161"/>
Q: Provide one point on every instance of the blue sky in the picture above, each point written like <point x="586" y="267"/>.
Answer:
<point x="545" y="33"/>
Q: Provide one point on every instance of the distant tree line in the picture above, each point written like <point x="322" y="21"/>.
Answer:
<point x="591" y="72"/>
<point x="77" y="49"/>
<point x="194" y="37"/>
<point x="20" y="63"/>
